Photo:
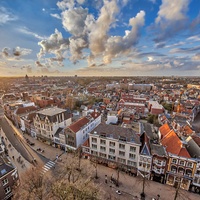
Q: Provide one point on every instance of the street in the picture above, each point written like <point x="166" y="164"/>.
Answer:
<point x="18" y="142"/>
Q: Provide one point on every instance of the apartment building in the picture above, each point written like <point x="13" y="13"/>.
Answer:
<point x="114" y="146"/>
<point x="77" y="133"/>
<point x="48" y="121"/>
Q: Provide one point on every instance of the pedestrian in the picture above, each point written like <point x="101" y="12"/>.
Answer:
<point x="106" y="179"/>
<point x="13" y="157"/>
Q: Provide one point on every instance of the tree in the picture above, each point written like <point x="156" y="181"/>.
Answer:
<point x="74" y="183"/>
<point x="66" y="182"/>
<point x="33" y="186"/>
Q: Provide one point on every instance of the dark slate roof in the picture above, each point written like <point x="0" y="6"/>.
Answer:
<point x="146" y="127"/>
<point x="58" y="132"/>
<point x="5" y="168"/>
<point x="192" y="148"/>
<point x="158" y="150"/>
<point x="117" y="132"/>
<point x="145" y="150"/>
<point x="52" y="116"/>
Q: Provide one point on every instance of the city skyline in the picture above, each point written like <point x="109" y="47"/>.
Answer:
<point x="100" y="38"/>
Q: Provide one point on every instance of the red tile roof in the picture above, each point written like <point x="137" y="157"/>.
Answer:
<point x="86" y="143"/>
<point x="95" y="114"/>
<point x="164" y="130"/>
<point x="184" y="153"/>
<point x="76" y="126"/>
<point x="187" y="130"/>
<point x="23" y="110"/>
<point x="173" y="145"/>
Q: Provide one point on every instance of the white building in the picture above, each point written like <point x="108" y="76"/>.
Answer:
<point x="114" y="146"/>
<point x="48" y="121"/>
<point x="77" y="133"/>
<point x="112" y="117"/>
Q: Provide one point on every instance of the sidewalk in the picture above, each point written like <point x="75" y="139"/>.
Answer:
<point x="49" y="152"/>
<point x="16" y="159"/>
<point x="130" y="186"/>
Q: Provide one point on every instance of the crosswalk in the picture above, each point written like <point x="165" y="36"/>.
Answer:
<point x="47" y="167"/>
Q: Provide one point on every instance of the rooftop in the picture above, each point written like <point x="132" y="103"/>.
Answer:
<point x="51" y="111"/>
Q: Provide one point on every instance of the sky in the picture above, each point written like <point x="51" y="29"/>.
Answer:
<point x="100" y="37"/>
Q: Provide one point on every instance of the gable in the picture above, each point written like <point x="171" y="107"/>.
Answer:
<point x="145" y="150"/>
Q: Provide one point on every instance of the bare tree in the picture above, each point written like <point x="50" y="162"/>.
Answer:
<point x="74" y="183"/>
<point x="33" y="185"/>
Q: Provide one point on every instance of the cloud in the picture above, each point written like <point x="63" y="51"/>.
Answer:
<point x="196" y="57"/>
<point x="65" y="4"/>
<point x="15" y="53"/>
<point x="171" y="18"/>
<point x="89" y="35"/>
<point x="194" y="38"/>
<point x="99" y="30"/>
<point x="28" y="32"/>
<point x="55" y="45"/>
<point x="76" y="26"/>
<point x="56" y="16"/>
<point x="39" y="64"/>
<point x="185" y="50"/>
<point x="6" y="16"/>
<point x="121" y="45"/>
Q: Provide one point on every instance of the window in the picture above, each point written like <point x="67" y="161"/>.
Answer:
<point x="102" y="141"/>
<point x="111" y="157"/>
<point x="102" y="148"/>
<point x="181" y="162"/>
<point x="111" y="151"/>
<point x="121" y="153"/>
<point x="122" y="160"/>
<point x="112" y="144"/>
<point x="189" y="164"/>
<point x="94" y="140"/>
<point x="174" y="160"/>
<point x="131" y="156"/>
<point x="132" y="149"/>
<point x="94" y="146"/>
<point x="131" y="163"/>
<point x="4" y="181"/>
<point x="122" y="146"/>
<point x="94" y="153"/>
<point x="7" y="190"/>
<point x="103" y="155"/>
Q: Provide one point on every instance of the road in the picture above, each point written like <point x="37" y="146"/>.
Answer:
<point x="19" y="143"/>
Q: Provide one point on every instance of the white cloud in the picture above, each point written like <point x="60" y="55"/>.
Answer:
<point x="56" y="16"/>
<point x="28" y="32"/>
<point x="150" y="59"/>
<point x="172" y="10"/>
<point x="121" y="45"/>
<point x="55" y="45"/>
<point x="100" y="28"/>
<point x="171" y="18"/>
<point x="77" y="25"/>
<point x="65" y="4"/>
<point x="15" y="53"/>
<point x="194" y="38"/>
<point x="90" y="34"/>
<point x="6" y="16"/>
<point x="196" y="57"/>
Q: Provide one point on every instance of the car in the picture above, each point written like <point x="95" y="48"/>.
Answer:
<point x="118" y="192"/>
